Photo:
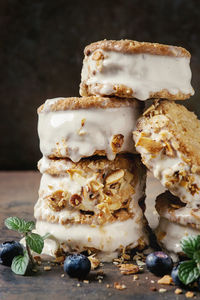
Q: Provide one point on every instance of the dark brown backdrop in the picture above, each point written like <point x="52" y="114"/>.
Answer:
<point x="41" y="50"/>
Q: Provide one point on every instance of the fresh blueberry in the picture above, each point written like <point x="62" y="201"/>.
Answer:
<point x="8" y="250"/>
<point x="159" y="263"/>
<point x="174" y="275"/>
<point x="77" y="265"/>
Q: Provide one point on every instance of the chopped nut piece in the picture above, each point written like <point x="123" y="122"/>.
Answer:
<point x="162" y="290"/>
<point x="150" y="145"/>
<point x="127" y="269"/>
<point x="119" y="286"/>
<point x="189" y="295"/>
<point x="178" y="291"/>
<point x="59" y="259"/>
<point x="94" y="262"/>
<point x="117" y="142"/>
<point x="75" y="200"/>
<point x="86" y="281"/>
<point x="47" y="268"/>
<point x="58" y="200"/>
<point x="165" y="280"/>
<point x="135" y="277"/>
<point x="97" y="55"/>
<point x="115" y="176"/>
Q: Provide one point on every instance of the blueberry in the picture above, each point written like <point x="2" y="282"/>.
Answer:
<point x="174" y="275"/>
<point x="159" y="263"/>
<point x="77" y="265"/>
<point x="8" y="250"/>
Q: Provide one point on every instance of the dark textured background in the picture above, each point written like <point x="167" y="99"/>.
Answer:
<point x="41" y="46"/>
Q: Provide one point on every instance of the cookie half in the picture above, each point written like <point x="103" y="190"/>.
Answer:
<point x="93" y="204"/>
<point x="176" y="221"/>
<point x="168" y="139"/>
<point x="82" y="127"/>
<point x="138" y="70"/>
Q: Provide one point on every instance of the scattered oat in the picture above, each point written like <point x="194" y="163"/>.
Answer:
<point x="78" y="284"/>
<point x="119" y="286"/>
<point x="162" y="290"/>
<point x="59" y="259"/>
<point x="153" y="289"/>
<point x="94" y="262"/>
<point x="189" y="295"/>
<point x="86" y="281"/>
<point x="34" y="270"/>
<point x="62" y="275"/>
<point x="152" y="281"/>
<point x="178" y="291"/>
<point x="47" y="268"/>
<point x="100" y="281"/>
<point x="108" y="286"/>
<point x="165" y="280"/>
<point x="127" y="269"/>
<point x="135" y="277"/>
<point x="115" y="263"/>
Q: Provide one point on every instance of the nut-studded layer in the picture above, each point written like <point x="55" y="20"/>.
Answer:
<point x="81" y="127"/>
<point x="138" y="70"/>
<point x="177" y="220"/>
<point x="93" y="191"/>
<point x="168" y="139"/>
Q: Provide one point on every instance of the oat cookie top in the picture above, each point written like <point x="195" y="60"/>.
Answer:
<point x="75" y="103"/>
<point x="129" y="46"/>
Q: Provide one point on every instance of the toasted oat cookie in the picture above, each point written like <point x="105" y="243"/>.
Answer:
<point x="168" y="139"/>
<point x="81" y="127"/>
<point x="92" y="191"/>
<point x="138" y="70"/>
<point x="177" y="220"/>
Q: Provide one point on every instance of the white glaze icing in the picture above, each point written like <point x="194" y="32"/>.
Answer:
<point x="63" y="130"/>
<point x="174" y="233"/>
<point x="107" y="238"/>
<point x="143" y="73"/>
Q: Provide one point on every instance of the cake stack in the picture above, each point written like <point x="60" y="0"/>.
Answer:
<point x="93" y="181"/>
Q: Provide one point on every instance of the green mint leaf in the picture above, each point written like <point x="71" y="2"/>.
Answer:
<point x="196" y="257"/>
<point x="35" y="242"/>
<point x="15" y="223"/>
<point x="190" y="245"/>
<point x="20" y="264"/>
<point x="188" y="271"/>
<point x="46" y="236"/>
<point x="29" y="226"/>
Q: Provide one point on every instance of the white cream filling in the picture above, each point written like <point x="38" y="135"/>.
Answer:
<point x="164" y="167"/>
<point x="143" y="73"/>
<point x="79" y="133"/>
<point x="108" y="238"/>
<point x="174" y="233"/>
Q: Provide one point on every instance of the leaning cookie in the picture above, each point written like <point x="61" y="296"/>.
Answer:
<point x="82" y="127"/>
<point x="138" y="70"/>
<point x="168" y="139"/>
<point x="176" y="221"/>
<point x="92" y="205"/>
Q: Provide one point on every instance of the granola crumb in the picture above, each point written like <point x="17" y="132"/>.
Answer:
<point x="100" y="280"/>
<point x="78" y="284"/>
<point x="152" y="281"/>
<point x="119" y="286"/>
<point x="165" y="280"/>
<point x="34" y="270"/>
<point x="153" y="289"/>
<point x="162" y="290"/>
<point x="135" y="277"/>
<point x="59" y="259"/>
<point x="108" y="286"/>
<point x="86" y="281"/>
<point x="178" y="291"/>
<point x="47" y="268"/>
<point x="62" y="275"/>
<point x="115" y="263"/>
<point x="127" y="269"/>
<point x="94" y="262"/>
<point x="189" y="294"/>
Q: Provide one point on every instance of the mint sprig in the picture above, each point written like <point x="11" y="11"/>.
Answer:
<point x="33" y="242"/>
<point x="189" y="271"/>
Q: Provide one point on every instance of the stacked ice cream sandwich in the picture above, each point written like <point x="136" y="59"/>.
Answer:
<point x="168" y="138"/>
<point x="92" y="178"/>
